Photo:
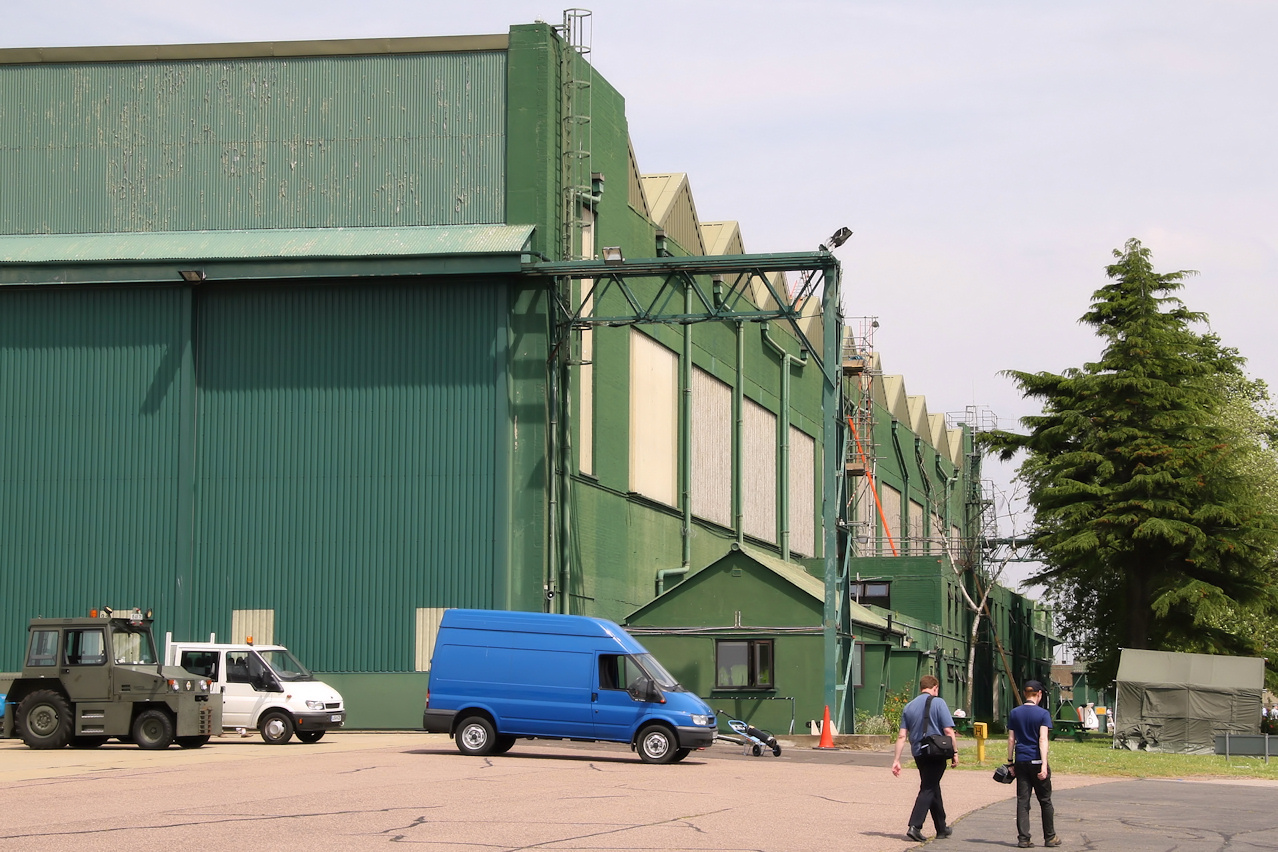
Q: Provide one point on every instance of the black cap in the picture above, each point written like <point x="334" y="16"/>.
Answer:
<point x="1033" y="686"/>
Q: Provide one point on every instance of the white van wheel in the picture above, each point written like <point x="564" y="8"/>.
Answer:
<point x="475" y="735"/>
<point x="276" y="727"/>
<point x="657" y="744"/>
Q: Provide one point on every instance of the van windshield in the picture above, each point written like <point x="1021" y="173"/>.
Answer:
<point x="285" y="665"/>
<point x="662" y="678"/>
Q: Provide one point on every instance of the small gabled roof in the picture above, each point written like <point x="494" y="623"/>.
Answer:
<point x="722" y="238"/>
<point x="672" y="209"/>
<point x="796" y="576"/>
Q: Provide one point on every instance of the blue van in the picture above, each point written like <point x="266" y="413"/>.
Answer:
<point x="496" y="676"/>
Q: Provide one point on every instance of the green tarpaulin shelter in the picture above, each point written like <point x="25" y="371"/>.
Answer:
<point x="1180" y="702"/>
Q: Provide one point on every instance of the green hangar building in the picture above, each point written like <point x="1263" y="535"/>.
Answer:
<point x="308" y="342"/>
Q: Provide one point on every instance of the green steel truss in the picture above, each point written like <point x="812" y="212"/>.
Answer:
<point x="684" y="290"/>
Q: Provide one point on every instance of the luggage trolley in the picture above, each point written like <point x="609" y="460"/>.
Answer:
<point x="753" y="740"/>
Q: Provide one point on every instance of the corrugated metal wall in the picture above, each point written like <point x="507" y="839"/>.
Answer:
<point x="347" y="445"/>
<point x="402" y="139"/>
<point x="90" y="430"/>
<point x="339" y="463"/>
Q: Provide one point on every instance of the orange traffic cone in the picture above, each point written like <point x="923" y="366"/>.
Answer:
<point x="827" y="733"/>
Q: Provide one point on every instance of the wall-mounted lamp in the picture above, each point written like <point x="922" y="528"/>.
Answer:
<point x="612" y="254"/>
<point x="192" y="275"/>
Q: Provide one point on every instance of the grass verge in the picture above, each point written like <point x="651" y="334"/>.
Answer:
<point x="1095" y="756"/>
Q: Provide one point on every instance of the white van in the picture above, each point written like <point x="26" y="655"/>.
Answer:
<point x="264" y="688"/>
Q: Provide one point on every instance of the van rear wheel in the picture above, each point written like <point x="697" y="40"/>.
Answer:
<point x="503" y="744"/>
<point x="657" y="744"/>
<point x="475" y="735"/>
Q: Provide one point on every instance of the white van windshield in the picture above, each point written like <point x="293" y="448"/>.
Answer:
<point x="662" y="678"/>
<point x="285" y="665"/>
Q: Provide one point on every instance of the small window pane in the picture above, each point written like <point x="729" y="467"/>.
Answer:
<point x="763" y="663"/>
<point x="44" y="648"/>
<point x="86" y="647"/>
<point x="734" y="664"/>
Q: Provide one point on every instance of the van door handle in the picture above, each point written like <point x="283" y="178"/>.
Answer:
<point x="594" y="696"/>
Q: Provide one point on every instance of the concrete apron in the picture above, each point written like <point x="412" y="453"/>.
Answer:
<point x="353" y="789"/>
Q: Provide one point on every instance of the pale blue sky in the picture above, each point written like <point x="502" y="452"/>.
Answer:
<point x="988" y="155"/>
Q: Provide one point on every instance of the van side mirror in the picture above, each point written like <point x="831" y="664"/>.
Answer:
<point x="643" y="689"/>
<point x="264" y="682"/>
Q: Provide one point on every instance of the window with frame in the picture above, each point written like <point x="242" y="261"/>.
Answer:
<point x="619" y="671"/>
<point x="44" y="648"/>
<point x="872" y="593"/>
<point x="743" y="664"/>
<point x="85" y="647"/>
<point x="202" y="663"/>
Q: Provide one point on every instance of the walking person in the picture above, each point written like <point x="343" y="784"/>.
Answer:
<point x="1027" y="728"/>
<point x="926" y="715"/>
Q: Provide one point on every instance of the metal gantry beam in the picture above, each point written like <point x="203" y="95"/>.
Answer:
<point x="719" y="286"/>
<point x="685" y="290"/>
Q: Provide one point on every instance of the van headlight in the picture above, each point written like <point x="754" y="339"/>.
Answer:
<point x="314" y="705"/>
<point x="700" y="719"/>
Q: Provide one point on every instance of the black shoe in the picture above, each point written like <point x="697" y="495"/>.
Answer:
<point x="915" y="834"/>
<point x="1024" y="844"/>
<point x="1052" y="841"/>
<point x="942" y="833"/>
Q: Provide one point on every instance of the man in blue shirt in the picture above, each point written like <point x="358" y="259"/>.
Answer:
<point x="931" y="767"/>
<point x="1027" y="728"/>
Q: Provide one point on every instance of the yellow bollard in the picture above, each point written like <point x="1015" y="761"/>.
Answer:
<point x="980" y="730"/>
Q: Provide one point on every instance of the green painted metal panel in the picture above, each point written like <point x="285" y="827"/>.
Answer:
<point x="382" y="701"/>
<point x="349" y="461"/>
<point x="294" y="142"/>
<point x="91" y="384"/>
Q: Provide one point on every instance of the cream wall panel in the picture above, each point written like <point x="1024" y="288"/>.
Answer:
<point x="891" y="499"/>
<point x="257" y="623"/>
<point x="759" y="477"/>
<point x="918" y="530"/>
<point x="428" y="619"/>
<point x="711" y="448"/>
<point x="654" y="414"/>
<point x="802" y="485"/>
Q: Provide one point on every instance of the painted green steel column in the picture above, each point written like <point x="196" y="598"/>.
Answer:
<point x="831" y="410"/>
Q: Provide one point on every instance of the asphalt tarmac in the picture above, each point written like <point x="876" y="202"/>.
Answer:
<point x="357" y="790"/>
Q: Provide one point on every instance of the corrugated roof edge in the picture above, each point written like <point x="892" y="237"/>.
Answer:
<point x="254" y="50"/>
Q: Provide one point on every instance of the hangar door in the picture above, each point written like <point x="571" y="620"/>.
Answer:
<point x="328" y="452"/>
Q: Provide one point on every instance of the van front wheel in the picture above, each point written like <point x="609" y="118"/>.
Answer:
<point x="475" y="735"/>
<point x="276" y="727"/>
<point x="656" y="744"/>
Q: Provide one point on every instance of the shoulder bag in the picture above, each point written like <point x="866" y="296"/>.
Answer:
<point x="934" y="745"/>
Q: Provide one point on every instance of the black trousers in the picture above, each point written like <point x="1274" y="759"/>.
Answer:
<point x="931" y="769"/>
<point x="1027" y="779"/>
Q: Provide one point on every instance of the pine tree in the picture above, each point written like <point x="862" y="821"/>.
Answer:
<point x="1148" y="516"/>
